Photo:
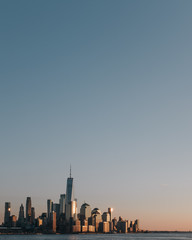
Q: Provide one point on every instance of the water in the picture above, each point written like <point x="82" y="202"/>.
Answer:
<point x="146" y="236"/>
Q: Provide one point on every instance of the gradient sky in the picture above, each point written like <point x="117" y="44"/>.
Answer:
<point x="106" y="86"/>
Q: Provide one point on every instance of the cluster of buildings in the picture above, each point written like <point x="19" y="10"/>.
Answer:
<point x="62" y="217"/>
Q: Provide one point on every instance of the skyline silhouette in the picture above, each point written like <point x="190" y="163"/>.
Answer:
<point x="64" y="217"/>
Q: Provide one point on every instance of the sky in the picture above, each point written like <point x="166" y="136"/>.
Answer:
<point x="106" y="87"/>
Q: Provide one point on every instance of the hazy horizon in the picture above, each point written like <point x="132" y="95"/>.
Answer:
<point x="106" y="87"/>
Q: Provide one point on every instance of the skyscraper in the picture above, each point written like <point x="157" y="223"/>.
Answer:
<point x="62" y="203"/>
<point x="110" y="210"/>
<point x="85" y="212"/>
<point x="69" y="190"/>
<point x="49" y="208"/>
<point x="73" y="213"/>
<point x="28" y="210"/>
<point x="7" y="213"/>
<point x="21" y="215"/>
<point x="70" y="203"/>
<point x="56" y="209"/>
<point x="33" y="215"/>
<point x="53" y="222"/>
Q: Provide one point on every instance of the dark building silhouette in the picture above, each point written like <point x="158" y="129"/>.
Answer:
<point x="33" y="215"/>
<point x="49" y="208"/>
<point x="62" y="203"/>
<point x="56" y="209"/>
<point x="114" y="221"/>
<point x="44" y="219"/>
<point x="21" y="218"/>
<point x="13" y="221"/>
<point x="28" y="210"/>
<point x="7" y="213"/>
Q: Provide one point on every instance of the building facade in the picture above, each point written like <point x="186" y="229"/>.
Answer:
<point x="28" y="210"/>
<point x="85" y="212"/>
<point x="7" y="213"/>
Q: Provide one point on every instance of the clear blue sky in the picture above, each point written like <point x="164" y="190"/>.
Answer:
<point x="106" y="86"/>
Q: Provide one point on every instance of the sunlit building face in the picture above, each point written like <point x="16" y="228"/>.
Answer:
<point x="74" y="207"/>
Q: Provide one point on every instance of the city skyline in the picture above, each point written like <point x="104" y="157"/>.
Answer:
<point x="63" y="217"/>
<point x="106" y="87"/>
<point x="26" y="212"/>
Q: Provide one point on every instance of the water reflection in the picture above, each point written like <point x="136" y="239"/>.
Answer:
<point x="149" y="236"/>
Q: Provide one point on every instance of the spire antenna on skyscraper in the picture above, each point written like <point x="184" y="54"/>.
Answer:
<point x="70" y="170"/>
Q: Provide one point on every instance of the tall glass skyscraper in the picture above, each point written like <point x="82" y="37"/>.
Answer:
<point x="62" y="203"/>
<point x="28" y="210"/>
<point x="49" y="208"/>
<point x="69" y="190"/>
<point x="70" y="203"/>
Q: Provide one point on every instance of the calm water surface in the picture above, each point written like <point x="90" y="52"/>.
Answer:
<point x="149" y="236"/>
